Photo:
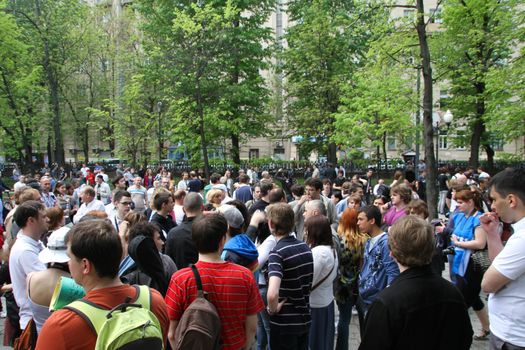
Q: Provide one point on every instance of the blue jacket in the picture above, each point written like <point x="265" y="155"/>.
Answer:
<point x="379" y="270"/>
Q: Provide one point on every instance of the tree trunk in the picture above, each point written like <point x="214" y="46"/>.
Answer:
<point x="54" y="100"/>
<point x="202" y="133"/>
<point x="85" y="143"/>
<point x="235" y="149"/>
<point x="490" y="157"/>
<point x="332" y="153"/>
<point x="430" y="160"/>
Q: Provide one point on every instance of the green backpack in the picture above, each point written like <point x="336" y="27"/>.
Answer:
<point x="127" y="326"/>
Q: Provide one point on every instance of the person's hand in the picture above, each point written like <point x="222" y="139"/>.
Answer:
<point x="304" y="198"/>
<point x="440" y="228"/>
<point x="454" y="239"/>
<point x="257" y="217"/>
<point x="123" y="228"/>
<point x="490" y="223"/>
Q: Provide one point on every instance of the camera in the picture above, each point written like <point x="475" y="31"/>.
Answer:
<point x="450" y="250"/>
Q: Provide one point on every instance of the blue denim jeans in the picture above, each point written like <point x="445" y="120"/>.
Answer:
<point x="343" y="325"/>
<point x="263" y="323"/>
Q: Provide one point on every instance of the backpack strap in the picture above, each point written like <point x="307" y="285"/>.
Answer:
<point x="200" y="292"/>
<point x="95" y="315"/>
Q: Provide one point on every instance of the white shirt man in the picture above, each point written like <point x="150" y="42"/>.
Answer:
<point x="505" y="278"/>
<point x="20" y="183"/>
<point x="31" y="217"/>
<point x="89" y="203"/>
<point x="139" y="194"/>
<point x="102" y="190"/>
<point x="183" y="183"/>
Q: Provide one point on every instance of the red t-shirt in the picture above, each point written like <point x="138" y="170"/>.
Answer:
<point x="230" y="287"/>
<point x="66" y="330"/>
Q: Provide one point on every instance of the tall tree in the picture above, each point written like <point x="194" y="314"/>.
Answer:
<point x="49" y="27"/>
<point x="327" y="41"/>
<point x="479" y="39"/>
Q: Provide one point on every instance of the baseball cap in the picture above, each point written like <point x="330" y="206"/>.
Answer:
<point x="232" y="215"/>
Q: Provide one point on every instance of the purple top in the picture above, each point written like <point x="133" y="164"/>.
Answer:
<point x="392" y="215"/>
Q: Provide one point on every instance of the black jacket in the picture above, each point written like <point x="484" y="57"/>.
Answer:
<point x="419" y="310"/>
<point x="180" y="246"/>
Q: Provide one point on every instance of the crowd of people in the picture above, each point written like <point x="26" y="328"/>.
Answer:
<point x="284" y="265"/>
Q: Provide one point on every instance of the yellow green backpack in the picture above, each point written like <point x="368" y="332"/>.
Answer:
<point x="127" y="326"/>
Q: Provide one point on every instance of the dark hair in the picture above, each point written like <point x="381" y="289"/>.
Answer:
<point x="143" y="228"/>
<point x="208" y="231"/>
<point x="372" y="212"/>
<point x="161" y="198"/>
<point x="337" y="194"/>
<point x="119" y="194"/>
<point x="315" y="183"/>
<point x="26" y="210"/>
<point x="297" y="190"/>
<point x="57" y="186"/>
<point x="265" y="187"/>
<point x="276" y="195"/>
<point x="326" y="181"/>
<point x="318" y="231"/>
<point x="215" y="178"/>
<point x="244" y="179"/>
<point x="98" y="242"/>
<point x="116" y="180"/>
<point x="509" y="181"/>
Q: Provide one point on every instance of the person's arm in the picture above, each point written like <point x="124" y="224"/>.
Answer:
<point x="250" y="327"/>
<point x="171" y="333"/>
<point x="493" y="280"/>
<point x="492" y="226"/>
<point x="479" y="241"/>
<point x="391" y="267"/>
<point x="506" y="267"/>
<point x="274" y="284"/>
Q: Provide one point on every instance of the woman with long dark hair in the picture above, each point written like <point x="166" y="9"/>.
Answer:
<point x="467" y="237"/>
<point x="319" y="237"/>
<point x="351" y="255"/>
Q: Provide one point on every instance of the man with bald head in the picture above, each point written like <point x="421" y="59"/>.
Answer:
<point x="179" y="244"/>
<point x="89" y="203"/>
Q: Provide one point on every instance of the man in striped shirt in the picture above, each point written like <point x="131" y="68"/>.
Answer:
<point x="230" y="287"/>
<point x="290" y="272"/>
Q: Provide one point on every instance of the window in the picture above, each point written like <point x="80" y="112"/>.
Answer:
<point x="460" y="140"/>
<point x="435" y="16"/>
<point x="391" y="142"/>
<point x="443" y="99"/>
<point x="253" y="153"/>
<point x="443" y="141"/>
<point x="496" y="142"/>
<point x="278" y="153"/>
<point x="409" y="13"/>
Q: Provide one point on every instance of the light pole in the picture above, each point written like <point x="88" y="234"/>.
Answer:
<point x="447" y="118"/>
<point x="159" y="109"/>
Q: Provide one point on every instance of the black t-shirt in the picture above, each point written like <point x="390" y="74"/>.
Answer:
<point x="339" y="181"/>
<point x="442" y="181"/>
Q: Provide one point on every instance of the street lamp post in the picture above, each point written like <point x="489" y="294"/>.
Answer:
<point x="447" y="118"/>
<point x="159" y="109"/>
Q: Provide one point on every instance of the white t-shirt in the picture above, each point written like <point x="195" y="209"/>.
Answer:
<point x="507" y="306"/>
<point x="324" y="260"/>
<point x="264" y="250"/>
<point x="23" y="260"/>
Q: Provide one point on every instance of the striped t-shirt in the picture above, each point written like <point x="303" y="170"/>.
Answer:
<point x="230" y="287"/>
<point x="291" y="260"/>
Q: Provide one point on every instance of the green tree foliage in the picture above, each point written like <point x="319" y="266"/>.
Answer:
<point x="211" y="56"/>
<point x="327" y="42"/>
<point x="21" y="93"/>
<point x="379" y="102"/>
<point x="476" y="49"/>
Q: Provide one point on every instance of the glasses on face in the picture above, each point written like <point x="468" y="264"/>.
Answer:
<point x="126" y="203"/>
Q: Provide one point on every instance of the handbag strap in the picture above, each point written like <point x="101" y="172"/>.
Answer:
<point x="314" y="287"/>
